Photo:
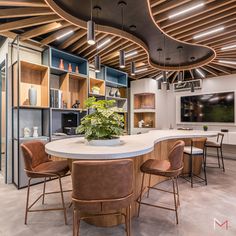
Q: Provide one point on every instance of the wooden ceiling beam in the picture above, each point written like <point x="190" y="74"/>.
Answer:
<point x="72" y="39"/>
<point x="205" y="19"/>
<point x="225" y="65"/>
<point x="216" y="44"/>
<point x="168" y="6"/>
<point x="24" y="12"/>
<point x="145" y="73"/>
<point x="188" y="35"/>
<point x="220" y="68"/>
<point x="210" y="70"/>
<point x="53" y="37"/>
<point x="75" y="46"/>
<point x="32" y="21"/>
<point x="209" y="5"/>
<point x="210" y="10"/>
<point x="154" y="3"/>
<point x="40" y="30"/>
<point x="23" y="3"/>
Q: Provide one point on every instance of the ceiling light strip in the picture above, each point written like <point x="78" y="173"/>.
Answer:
<point x="228" y="47"/>
<point x="186" y="10"/>
<point x="65" y="34"/>
<point x="200" y="73"/>
<point x="208" y="32"/>
<point x="104" y="43"/>
<point x="227" y="62"/>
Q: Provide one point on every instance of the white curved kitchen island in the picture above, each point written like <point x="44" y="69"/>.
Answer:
<point x="155" y="144"/>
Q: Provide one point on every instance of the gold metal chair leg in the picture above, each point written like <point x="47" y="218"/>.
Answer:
<point x="128" y="220"/>
<point x="175" y="201"/>
<point x="76" y="223"/>
<point x="149" y="185"/>
<point x="62" y="199"/>
<point x="27" y="201"/>
<point x="177" y="188"/>
<point x="44" y="187"/>
<point x="140" y="197"/>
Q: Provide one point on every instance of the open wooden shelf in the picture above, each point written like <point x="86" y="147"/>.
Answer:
<point x="147" y="117"/>
<point x="99" y="83"/>
<point x="144" y="101"/>
<point x="31" y="75"/>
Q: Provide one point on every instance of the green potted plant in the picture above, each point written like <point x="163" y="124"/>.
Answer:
<point x="205" y="127"/>
<point x="103" y="126"/>
<point x="95" y="90"/>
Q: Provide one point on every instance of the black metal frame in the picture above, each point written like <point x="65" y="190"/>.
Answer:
<point x="191" y="174"/>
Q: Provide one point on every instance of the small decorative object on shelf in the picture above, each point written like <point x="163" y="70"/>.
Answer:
<point x="64" y="104"/>
<point x="117" y="94"/>
<point x="76" y="105"/>
<point x="205" y="127"/>
<point x="102" y="127"/>
<point x="70" y="67"/>
<point x="35" y="132"/>
<point x="111" y="93"/>
<point x="77" y="70"/>
<point x="96" y="90"/>
<point x="32" y="96"/>
<point x="61" y="65"/>
<point x="140" y="123"/>
<point x="26" y="132"/>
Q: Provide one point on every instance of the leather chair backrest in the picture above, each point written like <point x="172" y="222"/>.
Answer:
<point x="102" y="180"/>
<point x="176" y="155"/>
<point x="34" y="154"/>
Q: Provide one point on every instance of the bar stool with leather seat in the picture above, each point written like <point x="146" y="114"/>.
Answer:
<point x="218" y="145"/>
<point x="102" y="188"/>
<point x="38" y="165"/>
<point x="171" y="169"/>
<point x="194" y="151"/>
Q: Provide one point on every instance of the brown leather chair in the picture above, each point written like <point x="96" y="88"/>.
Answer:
<point x="99" y="187"/>
<point x="218" y="145"/>
<point x="38" y="165"/>
<point x="167" y="168"/>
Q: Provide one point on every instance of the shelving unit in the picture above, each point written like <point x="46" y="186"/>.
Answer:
<point x="30" y="75"/>
<point x="98" y="83"/>
<point x="144" y="101"/>
<point x="147" y="117"/>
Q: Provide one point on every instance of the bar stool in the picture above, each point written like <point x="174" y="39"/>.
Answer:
<point x="170" y="169"/>
<point x="38" y="165"/>
<point x="102" y="188"/>
<point x="218" y="145"/>
<point x="192" y="151"/>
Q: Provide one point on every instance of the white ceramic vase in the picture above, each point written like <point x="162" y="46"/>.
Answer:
<point x="35" y="132"/>
<point x="32" y="96"/>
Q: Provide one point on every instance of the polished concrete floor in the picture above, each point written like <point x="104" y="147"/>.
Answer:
<point x="199" y="207"/>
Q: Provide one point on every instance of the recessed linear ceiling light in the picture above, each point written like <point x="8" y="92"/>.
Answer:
<point x="130" y="54"/>
<point x="228" y="47"/>
<point x="200" y="73"/>
<point x="208" y="32"/>
<point x="227" y="62"/>
<point x="103" y="43"/>
<point x="141" y="70"/>
<point x="186" y="10"/>
<point x="65" y="34"/>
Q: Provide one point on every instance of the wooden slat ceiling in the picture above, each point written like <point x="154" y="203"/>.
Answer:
<point x="214" y="14"/>
<point x="34" y="20"/>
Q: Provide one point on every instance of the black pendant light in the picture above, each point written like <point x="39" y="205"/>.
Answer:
<point x="97" y="63"/>
<point x="164" y="77"/>
<point x="91" y="28"/>
<point x="168" y="86"/>
<point x="122" y="58"/>
<point x="159" y="84"/>
<point x="192" y="87"/>
<point x="132" y="68"/>
<point x="180" y="75"/>
<point x="164" y="72"/>
<point x="122" y="4"/>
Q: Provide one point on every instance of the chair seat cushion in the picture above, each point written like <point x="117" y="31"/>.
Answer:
<point x="155" y="167"/>
<point x="212" y="144"/>
<point x="195" y="150"/>
<point x="53" y="167"/>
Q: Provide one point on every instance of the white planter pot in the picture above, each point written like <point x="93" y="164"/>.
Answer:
<point x="105" y="142"/>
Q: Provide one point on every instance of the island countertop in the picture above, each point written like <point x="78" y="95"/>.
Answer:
<point x="131" y="145"/>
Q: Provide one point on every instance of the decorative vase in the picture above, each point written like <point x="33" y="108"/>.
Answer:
<point x="35" y="132"/>
<point x="111" y="93"/>
<point x="69" y="67"/>
<point x="205" y="128"/>
<point x="32" y="96"/>
<point x="117" y="94"/>
<point x="61" y="65"/>
<point x="77" y="70"/>
<point x="105" y="142"/>
<point x="26" y="132"/>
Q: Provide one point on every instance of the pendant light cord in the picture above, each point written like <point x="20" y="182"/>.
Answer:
<point x="91" y="9"/>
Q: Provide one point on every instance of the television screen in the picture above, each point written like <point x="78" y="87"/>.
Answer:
<point x="216" y="107"/>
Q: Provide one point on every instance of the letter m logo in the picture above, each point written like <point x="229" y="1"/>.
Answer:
<point x="225" y="224"/>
